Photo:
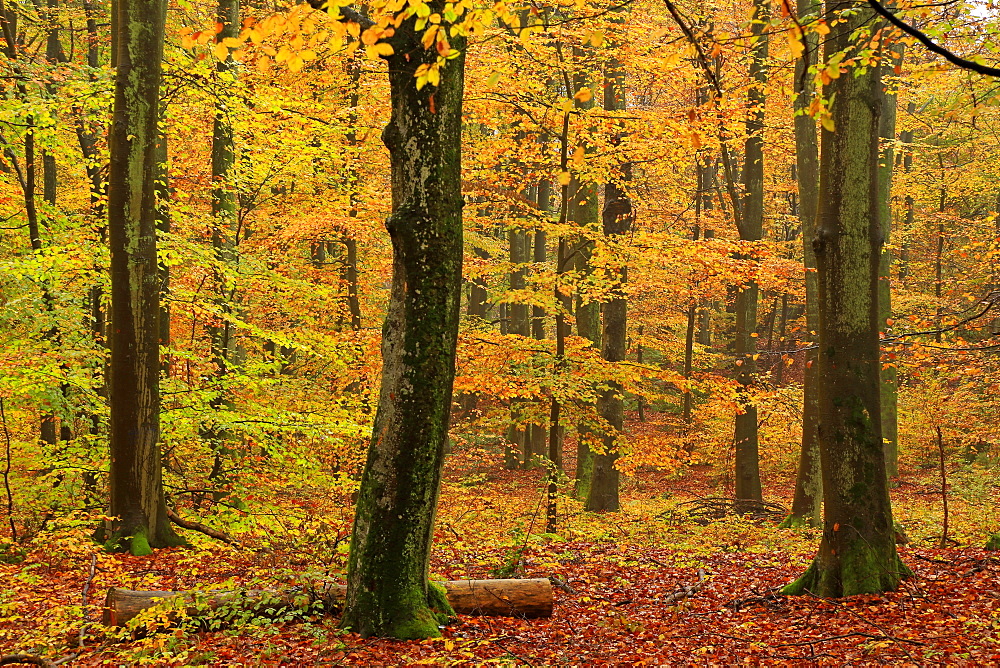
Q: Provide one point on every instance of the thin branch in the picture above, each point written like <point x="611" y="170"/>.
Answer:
<point x="930" y="44"/>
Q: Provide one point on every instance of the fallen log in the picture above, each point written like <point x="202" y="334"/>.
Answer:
<point x="503" y="598"/>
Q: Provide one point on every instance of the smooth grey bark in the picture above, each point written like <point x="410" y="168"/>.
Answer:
<point x="807" y="502"/>
<point x="137" y="502"/>
<point x="751" y="229"/>
<point x="388" y="593"/>
<point x="857" y="554"/>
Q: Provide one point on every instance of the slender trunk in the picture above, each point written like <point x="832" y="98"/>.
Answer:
<point x="751" y="229"/>
<point x="225" y="242"/>
<point x="555" y="408"/>
<point x="807" y="501"/>
<point x="388" y="593"/>
<point x="887" y="135"/>
<point x="782" y="328"/>
<point x="857" y="554"/>
<point x="640" y="400"/>
<point x="617" y="222"/>
<point x="137" y="501"/>
<point x="584" y="212"/>
<point x="537" y="432"/>
<point x="349" y="272"/>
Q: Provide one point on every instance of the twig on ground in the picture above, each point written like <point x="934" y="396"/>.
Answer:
<point x="683" y="592"/>
<point x="83" y="603"/>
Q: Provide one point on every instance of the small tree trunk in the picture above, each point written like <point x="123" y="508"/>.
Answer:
<point x="751" y="228"/>
<point x="807" y="501"/>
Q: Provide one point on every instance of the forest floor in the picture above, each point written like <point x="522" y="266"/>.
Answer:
<point x="618" y="570"/>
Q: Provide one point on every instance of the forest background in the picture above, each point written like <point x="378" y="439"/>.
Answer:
<point x="275" y="271"/>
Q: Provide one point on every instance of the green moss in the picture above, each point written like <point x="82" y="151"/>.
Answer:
<point x="993" y="542"/>
<point x="437" y="600"/>
<point x="794" y="522"/>
<point x="861" y="569"/>
<point x="138" y="544"/>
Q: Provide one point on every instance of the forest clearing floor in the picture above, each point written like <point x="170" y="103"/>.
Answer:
<point x="613" y="573"/>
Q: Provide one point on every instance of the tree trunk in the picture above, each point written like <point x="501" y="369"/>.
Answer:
<point x="583" y="212"/>
<point x="857" y="554"/>
<point x="751" y="229"/>
<point x="504" y="598"/>
<point x="388" y="593"/>
<point x="807" y="501"/>
<point x="617" y="222"/>
<point x="889" y="389"/>
<point x="137" y="501"/>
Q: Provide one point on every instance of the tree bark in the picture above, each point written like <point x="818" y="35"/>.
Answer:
<point x="751" y="229"/>
<point x="857" y="554"/>
<point x="889" y="389"/>
<point x="137" y="501"/>
<point x="807" y="501"/>
<point x="388" y="593"/>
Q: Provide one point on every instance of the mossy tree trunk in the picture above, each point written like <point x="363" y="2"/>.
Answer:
<point x="137" y="501"/>
<point x="388" y="591"/>
<point x="807" y="502"/>
<point x="751" y="229"/>
<point x="857" y="553"/>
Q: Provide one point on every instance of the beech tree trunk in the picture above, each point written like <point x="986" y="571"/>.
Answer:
<point x="617" y="221"/>
<point x="751" y="229"/>
<point x="584" y="212"/>
<point x="137" y="502"/>
<point x="807" y="503"/>
<point x="388" y="593"/>
<point x="857" y="554"/>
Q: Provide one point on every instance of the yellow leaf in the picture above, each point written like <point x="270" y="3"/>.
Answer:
<point x="795" y="46"/>
<point x="827" y="122"/>
<point x="583" y="95"/>
<point x="295" y="64"/>
<point x="187" y="42"/>
<point x="221" y="51"/>
<point x="429" y="36"/>
<point x="443" y="48"/>
<point x="383" y="49"/>
<point x="822" y="28"/>
<point x="563" y="178"/>
<point x="578" y="155"/>
<point x="597" y="38"/>
<point x="232" y="42"/>
<point x="369" y="36"/>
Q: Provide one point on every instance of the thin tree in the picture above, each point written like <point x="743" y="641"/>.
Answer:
<point x="807" y="503"/>
<point x="751" y="229"/>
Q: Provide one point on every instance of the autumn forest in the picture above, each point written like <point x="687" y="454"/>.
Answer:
<point x="448" y="332"/>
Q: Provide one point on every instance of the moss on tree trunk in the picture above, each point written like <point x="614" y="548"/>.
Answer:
<point x="137" y="500"/>
<point x="857" y="553"/>
<point x="388" y="590"/>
